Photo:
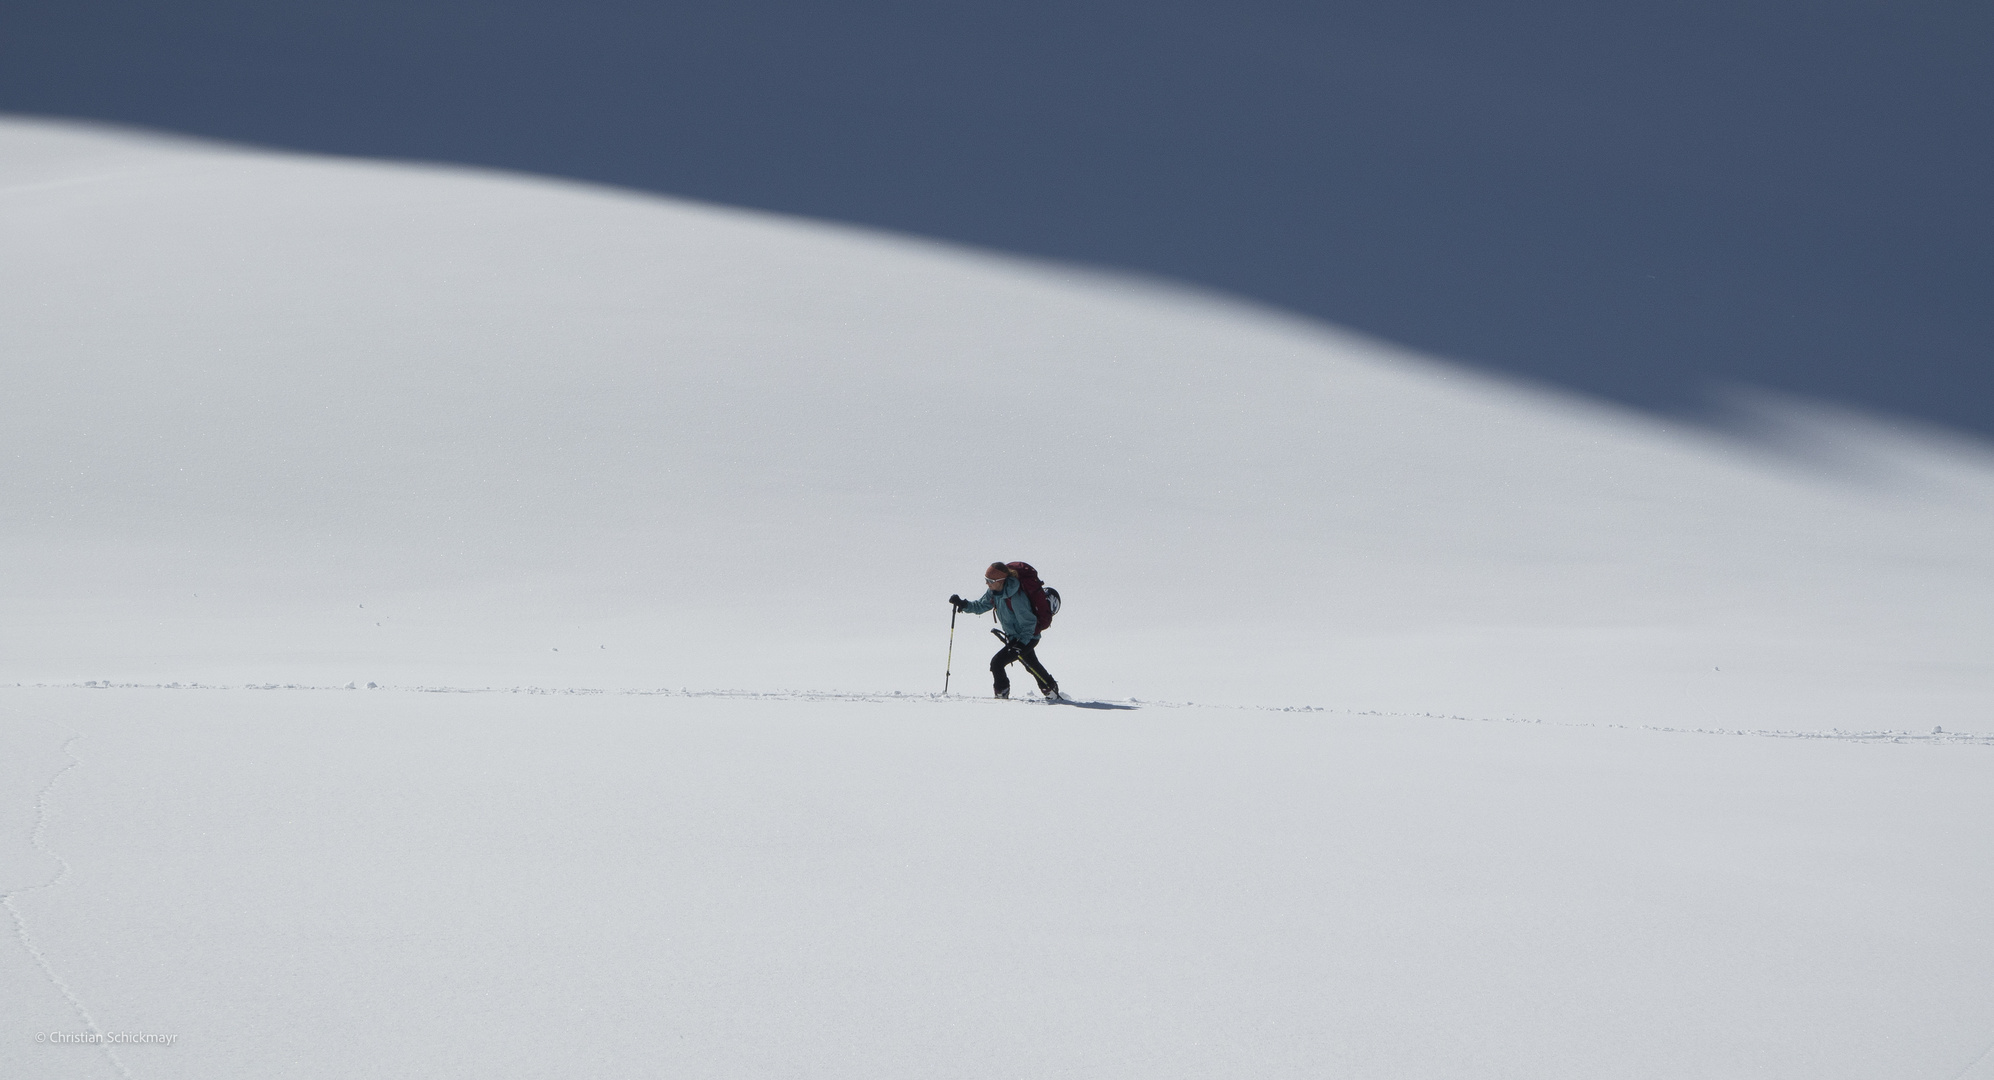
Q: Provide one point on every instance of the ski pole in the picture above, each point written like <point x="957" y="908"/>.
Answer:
<point x="951" y="662"/>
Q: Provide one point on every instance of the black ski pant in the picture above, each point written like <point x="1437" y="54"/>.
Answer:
<point x="1014" y="650"/>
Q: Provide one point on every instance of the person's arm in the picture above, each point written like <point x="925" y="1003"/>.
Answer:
<point x="981" y="604"/>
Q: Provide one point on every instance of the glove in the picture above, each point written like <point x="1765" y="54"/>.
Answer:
<point x="957" y="602"/>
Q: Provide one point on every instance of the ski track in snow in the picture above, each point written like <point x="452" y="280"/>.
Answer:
<point x="62" y="874"/>
<point x="1836" y="734"/>
<point x="1973" y="1070"/>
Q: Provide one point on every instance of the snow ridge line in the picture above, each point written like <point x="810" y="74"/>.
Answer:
<point x="1880" y="735"/>
<point x="1937" y="736"/>
<point x="36" y="841"/>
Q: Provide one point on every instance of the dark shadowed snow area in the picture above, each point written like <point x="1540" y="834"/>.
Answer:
<point x="1646" y="202"/>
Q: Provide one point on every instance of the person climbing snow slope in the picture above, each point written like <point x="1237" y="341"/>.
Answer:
<point x="1006" y="594"/>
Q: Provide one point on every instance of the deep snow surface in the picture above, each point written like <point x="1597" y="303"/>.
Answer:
<point x="337" y="883"/>
<point x="272" y="425"/>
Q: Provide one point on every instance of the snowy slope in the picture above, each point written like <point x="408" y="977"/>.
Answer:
<point x="682" y="445"/>
<point x="281" y="420"/>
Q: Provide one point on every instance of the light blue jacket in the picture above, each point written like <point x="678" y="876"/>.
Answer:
<point x="1014" y="610"/>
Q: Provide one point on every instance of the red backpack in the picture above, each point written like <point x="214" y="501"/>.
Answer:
<point x="1045" y="602"/>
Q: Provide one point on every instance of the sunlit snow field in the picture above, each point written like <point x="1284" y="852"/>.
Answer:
<point x="1425" y="725"/>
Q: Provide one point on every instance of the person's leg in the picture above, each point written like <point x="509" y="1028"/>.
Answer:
<point x="1001" y="680"/>
<point x="1030" y="655"/>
